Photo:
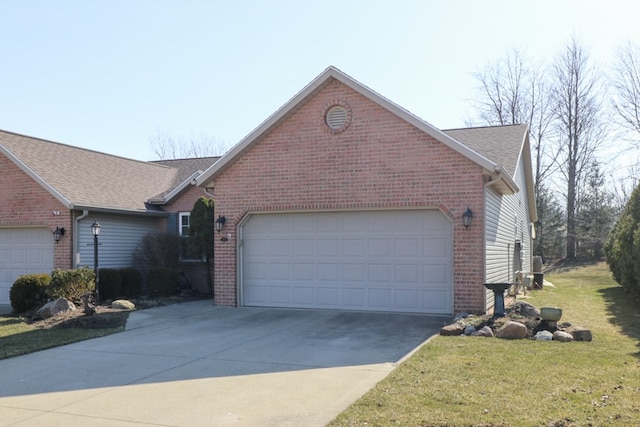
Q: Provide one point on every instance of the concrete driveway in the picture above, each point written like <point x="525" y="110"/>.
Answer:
<point x="194" y="364"/>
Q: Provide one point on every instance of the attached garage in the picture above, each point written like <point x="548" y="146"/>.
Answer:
<point x="23" y="251"/>
<point x="378" y="260"/>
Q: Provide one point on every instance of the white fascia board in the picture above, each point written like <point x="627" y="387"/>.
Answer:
<point x="363" y="90"/>
<point x="525" y="155"/>
<point x="176" y="191"/>
<point x="67" y="203"/>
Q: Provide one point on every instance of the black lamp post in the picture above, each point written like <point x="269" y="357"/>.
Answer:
<point x="95" y="230"/>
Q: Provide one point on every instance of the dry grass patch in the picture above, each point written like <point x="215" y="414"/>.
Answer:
<point x="473" y="381"/>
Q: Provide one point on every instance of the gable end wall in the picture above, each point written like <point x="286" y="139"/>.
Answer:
<point x="378" y="162"/>
<point x="25" y="203"/>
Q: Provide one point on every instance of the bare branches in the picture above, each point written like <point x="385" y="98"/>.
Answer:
<point x="626" y="85"/>
<point x="166" y="146"/>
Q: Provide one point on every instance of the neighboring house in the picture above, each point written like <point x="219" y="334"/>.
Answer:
<point x="342" y="199"/>
<point x="46" y="185"/>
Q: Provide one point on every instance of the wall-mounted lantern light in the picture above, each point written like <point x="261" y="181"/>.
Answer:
<point x="220" y="222"/>
<point x="58" y="233"/>
<point x="466" y="218"/>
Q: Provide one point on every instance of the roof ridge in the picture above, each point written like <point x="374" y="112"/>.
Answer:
<point x="486" y="127"/>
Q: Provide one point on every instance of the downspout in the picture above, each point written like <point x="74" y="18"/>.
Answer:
<point x="76" y="237"/>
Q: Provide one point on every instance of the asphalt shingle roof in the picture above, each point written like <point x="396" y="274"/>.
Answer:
<point x="89" y="178"/>
<point x="500" y="144"/>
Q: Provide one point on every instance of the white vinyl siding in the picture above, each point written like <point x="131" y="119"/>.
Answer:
<point x="507" y="221"/>
<point x="357" y="260"/>
<point x="23" y="251"/>
<point x="119" y="237"/>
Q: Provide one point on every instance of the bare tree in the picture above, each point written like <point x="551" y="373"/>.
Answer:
<point x="513" y="91"/>
<point x="626" y="85"/>
<point x="579" y="122"/>
<point x="167" y="146"/>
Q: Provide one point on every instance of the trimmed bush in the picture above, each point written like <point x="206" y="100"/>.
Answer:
<point x="162" y="282"/>
<point x="71" y="284"/>
<point x="110" y="283"/>
<point x="29" y="291"/>
<point x="131" y="282"/>
<point x="623" y="246"/>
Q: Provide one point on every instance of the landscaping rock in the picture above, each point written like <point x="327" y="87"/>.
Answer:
<point x="483" y="332"/>
<point x="452" y="329"/>
<point x="523" y="309"/>
<point x="469" y="330"/>
<point x="562" y="336"/>
<point x="544" y="336"/>
<point x="123" y="304"/>
<point x="579" y="333"/>
<point x="512" y="331"/>
<point x="54" y="307"/>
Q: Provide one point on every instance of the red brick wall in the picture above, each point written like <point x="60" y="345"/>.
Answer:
<point x="25" y="203"/>
<point x="379" y="161"/>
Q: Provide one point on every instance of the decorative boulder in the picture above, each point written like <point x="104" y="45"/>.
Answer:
<point x="524" y="309"/>
<point x="54" y="307"/>
<point x="579" y="333"/>
<point x="452" y="330"/>
<point x="512" y="331"/>
<point x="544" y="336"/>
<point x="485" y="331"/>
<point x="469" y="330"/>
<point x="123" y="304"/>
<point x="562" y="336"/>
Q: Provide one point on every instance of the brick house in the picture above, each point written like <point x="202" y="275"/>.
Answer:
<point x="46" y="186"/>
<point x="342" y="199"/>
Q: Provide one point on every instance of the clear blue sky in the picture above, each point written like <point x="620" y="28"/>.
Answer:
<point x="110" y="74"/>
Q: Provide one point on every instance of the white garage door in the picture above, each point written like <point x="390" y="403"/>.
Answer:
<point x="366" y="260"/>
<point x="23" y="251"/>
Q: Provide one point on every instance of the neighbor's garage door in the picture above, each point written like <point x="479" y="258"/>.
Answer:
<point x="23" y="251"/>
<point x="366" y="260"/>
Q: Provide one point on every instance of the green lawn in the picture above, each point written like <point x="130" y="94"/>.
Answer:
<point x="473" y="381"/>
<point x="17" y="337"/>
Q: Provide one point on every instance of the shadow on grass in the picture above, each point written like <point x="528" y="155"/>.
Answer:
<point x="624" y="311"/>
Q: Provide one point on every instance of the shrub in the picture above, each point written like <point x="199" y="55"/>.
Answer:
<point x="162" y="282"/>
<point x="71" y="284"/>
<point x="623" y="245"/>
<point x="29" y="291"/>
<point x="131" y="282"/>
<point x="110" y="283"/>
<point x="158" y="249"/>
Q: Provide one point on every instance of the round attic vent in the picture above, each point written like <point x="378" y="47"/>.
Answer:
<point x="337" y="118"/>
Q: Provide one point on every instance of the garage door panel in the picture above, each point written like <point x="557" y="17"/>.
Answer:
<point x="433" y="300"/>
<point x="354" y="297"/>
<point x="436" y="248"/>
<point x="23" y="251"/>
<point x="408" y="299"/>
<point x="303" y="247"/>
<point x="436" y="274"/>
<point x="303" y="296"/>
<point x="380" y="272"/>
<point x="328" y="297"/>
<point x="370" y="260"/>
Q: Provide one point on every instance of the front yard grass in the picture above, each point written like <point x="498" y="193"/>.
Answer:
<point x="473" y="381"/>
<point x="17" y="337"/>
